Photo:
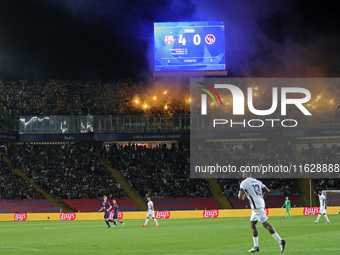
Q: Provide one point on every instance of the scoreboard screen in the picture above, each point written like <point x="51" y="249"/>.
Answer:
<point x="189" y="46"/>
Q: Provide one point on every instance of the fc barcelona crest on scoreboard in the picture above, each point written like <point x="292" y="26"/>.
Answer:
<point x="169" y="39"/>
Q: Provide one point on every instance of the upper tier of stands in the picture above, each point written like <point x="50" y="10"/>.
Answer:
<point x="61" y="97"/>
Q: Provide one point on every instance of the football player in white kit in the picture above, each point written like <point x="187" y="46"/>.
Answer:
<point x="255" y="190"/>
<point x="322" y="200"/>
<point x="151" y="213"/>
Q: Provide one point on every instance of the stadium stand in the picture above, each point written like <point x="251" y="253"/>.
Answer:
<point x="13" y="187"/>
<point x="27" y="205"/>
<point x="61" y="97"/>
<point x="185" y="203"/>
<point x="66" y="171"/>
<point x="73" y="171"/>
<point x="159" y="171"/>
<point x="93" y="205"/>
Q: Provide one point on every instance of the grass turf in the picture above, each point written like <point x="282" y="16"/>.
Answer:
<point x="174" y="236"/>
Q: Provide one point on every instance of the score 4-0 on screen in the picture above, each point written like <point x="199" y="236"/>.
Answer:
<point x="189" y="46"/>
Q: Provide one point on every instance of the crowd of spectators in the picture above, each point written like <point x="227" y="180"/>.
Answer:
<point x="62" y="97"/>
<point x="321" y="154"/>
<point x="127" y="97"/>
<point x="324" y="154"/>
<point x="75" y="170"/>
<point x="327" y="184"/>
<point x="256" y="154"/>
<point x="66" y="171"/>
<point x="158" y="171"/>
<point x="13" y="186"/>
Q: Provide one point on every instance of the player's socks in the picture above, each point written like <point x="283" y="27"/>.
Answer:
<point x="146" y="222"/>
<point x="256" y="241"/>
<point x="326" y="217"/>
<point x="277" y="237"/>
<point x="108" y="224"/>
<point x="155" y="221"/>
<point x="318" y="218"/>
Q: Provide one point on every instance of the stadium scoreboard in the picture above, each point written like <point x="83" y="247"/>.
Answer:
<point x="189" y="46"/>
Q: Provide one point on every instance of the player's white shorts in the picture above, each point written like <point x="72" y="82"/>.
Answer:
<point x="151" y="214"/>
<point x="322" y="210"/>
<point x="258" y="214"/>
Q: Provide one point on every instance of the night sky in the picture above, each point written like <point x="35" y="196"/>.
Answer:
<point x="109" y="40"/>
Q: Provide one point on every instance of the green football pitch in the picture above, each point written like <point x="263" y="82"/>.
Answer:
<point x="174" y="236"/>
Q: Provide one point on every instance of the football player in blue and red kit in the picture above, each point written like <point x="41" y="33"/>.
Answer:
<point x="115" y="213"/>
<point x="106" y="206"/>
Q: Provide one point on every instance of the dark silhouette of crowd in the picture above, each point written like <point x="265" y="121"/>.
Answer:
<point x="66" y="171"/>
<point x="13" y="186"/>
<point x="158" y="171"/>
<point x="75" y="170"/>
<point x="63" y="97"/>
<point x="254" y="154"/>
<point x="321" y="154"/>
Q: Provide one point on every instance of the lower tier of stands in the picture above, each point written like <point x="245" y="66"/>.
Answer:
<point x="27" y="205"/>
<point x="93" y="205"/>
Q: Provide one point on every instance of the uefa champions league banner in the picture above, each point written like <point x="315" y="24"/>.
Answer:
<point x="138" y="136"/>
<point x="255" y="125"/>
<point x="8" y="137"/>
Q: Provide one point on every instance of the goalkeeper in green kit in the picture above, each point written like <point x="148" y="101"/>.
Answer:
<point x="287" y="205"/>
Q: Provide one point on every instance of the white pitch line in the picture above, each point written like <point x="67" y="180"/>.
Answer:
<point x="166" y="250"/>
<point x="19" y="248"/>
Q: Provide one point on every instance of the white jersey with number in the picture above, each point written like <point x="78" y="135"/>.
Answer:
<point x="322" y="200"/>
<point x="151" y="211"/>
<point x="150" y="206"/>
<point x="253" y="189"/>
